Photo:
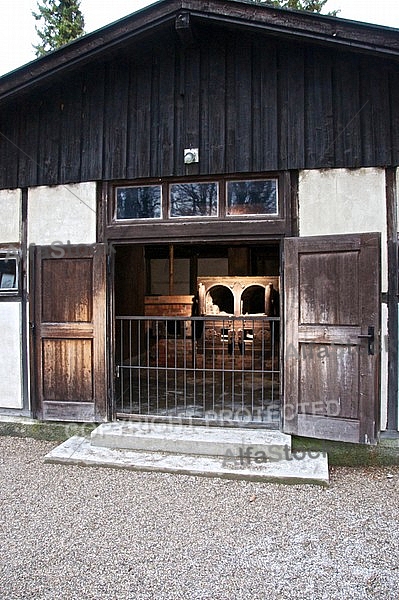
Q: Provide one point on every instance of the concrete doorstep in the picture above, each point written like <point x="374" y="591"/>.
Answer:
<point x="249" y="454"/>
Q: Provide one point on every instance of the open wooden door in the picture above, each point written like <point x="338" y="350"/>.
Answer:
<point x="332" y="307"/>
<point x="69" y="332"/>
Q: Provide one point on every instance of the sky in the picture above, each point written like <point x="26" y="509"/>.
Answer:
<point x="17" y="25"/>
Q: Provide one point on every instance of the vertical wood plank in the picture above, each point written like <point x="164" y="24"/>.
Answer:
<point x="319" y="130"/>
<point x="264" y="109"/>
<point x="191" y="117"/>
<point x="347" y="112"/>
<point x="115" y="119"/>
<point x="216" y="99"/>
<point x="92" y="124"/>
<point x="243" y="83"/>
<point x="167" y="103"/>
<point x="231" y="101"/>
<point x="28" y="143"/>
<point x="291" y="107"/>
<point x="49" y="138"/>
<point x="394" y="98"/>
<point x="155" y="125"/>
<point x="141" y="147"/>
<point x="9" y="148"/>
<point x="70" y="130"/>
<point x="375" y="114"/>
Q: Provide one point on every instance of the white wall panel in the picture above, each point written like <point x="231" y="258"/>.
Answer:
<point x="10" y="222"/>
<point x="10" y="355"/>
<point x="62" y="214"/>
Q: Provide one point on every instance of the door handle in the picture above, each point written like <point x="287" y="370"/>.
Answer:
<point x="370" y="337"/>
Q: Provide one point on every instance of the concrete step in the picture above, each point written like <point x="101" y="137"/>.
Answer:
<point x="301" y="468"/>
<point x="193" y="440"/>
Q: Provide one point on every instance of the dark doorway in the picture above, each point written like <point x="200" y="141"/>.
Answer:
<point x="173" y="359"/>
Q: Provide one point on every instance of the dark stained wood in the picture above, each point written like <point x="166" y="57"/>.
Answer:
<point x="319" y="125"/>
<point x="375" y="114"/>
<point x="142" y="149"/>
<point x="331" y="380"/>
<point x="291" y="150"/>
<point x="92" y="123"/>
<point x="300" y="26"/>
<point x="190" y="91"/>
<point x="115" y="118"/>
<point x="9" y="147"/>
<point x="130" y="280"/>
<point x="250" y="103"/>
<point x="71" y="131"/>
<point x="243" y="104"/>
<point x="76" y="305"/>
<point x="239" y="260"/>
<point x="69" y="350"/>
<point x="28" y="141"/>
<point x="347" y="112"/>
<point x="394" y="96"/>
<point x="215" y="93"/>
<point x="264" y="104"/>
<point x="49" y="147"/>
<point x="166" y="103"/>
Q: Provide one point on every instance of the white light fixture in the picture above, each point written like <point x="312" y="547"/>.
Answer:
<point x="191" y="155"/>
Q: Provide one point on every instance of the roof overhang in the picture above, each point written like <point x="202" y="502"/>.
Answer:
<point x="295" y="25"/>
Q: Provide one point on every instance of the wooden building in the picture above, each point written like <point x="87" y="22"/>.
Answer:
<point x="204" y="139"/>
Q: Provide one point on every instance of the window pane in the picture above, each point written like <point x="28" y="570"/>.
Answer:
<point x="139" y="202"/>
<point x="194" y="200"/>
<point x="8" y="274"/>
<point x="252" y="197"/>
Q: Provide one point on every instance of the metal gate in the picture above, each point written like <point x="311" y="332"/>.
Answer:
<point x="223" y="369"/>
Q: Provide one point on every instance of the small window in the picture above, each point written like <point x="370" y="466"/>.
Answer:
<point x="8" y="275"/>
<point x="252" y="197"/>
<point x="194" y="199"/>
<point x="138" y="202"/>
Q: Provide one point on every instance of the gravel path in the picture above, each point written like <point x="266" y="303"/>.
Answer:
<point x="89" y="533"/>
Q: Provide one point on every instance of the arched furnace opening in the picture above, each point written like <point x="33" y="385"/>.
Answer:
<point x="253" y="300"/>
<point x="219" y="299"/>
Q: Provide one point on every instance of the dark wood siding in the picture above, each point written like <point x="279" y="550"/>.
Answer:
<point x="250" y="103"/>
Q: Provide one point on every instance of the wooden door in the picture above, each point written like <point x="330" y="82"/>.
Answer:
<point x="69" y="332"/>
<point x="331" y="383"/>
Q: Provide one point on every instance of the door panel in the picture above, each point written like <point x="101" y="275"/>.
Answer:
<point x="70" y="332"/>
<point x="331" y="372"/>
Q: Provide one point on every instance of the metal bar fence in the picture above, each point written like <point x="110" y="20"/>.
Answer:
<point x="218" y="368"/>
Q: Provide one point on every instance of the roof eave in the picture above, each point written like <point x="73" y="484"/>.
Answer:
<point x="319" y="29"/>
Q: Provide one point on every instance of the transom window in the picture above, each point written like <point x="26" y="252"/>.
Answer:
<point x="232" y="199"/>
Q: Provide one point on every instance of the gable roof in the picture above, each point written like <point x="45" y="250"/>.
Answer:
<point x="295" y="25"/>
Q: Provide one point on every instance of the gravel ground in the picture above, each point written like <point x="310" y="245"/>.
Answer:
<point x="91" y="533"/>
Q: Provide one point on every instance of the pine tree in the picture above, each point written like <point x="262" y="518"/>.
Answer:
<point x="315" y="6"/>
<point x="63" y="22"/>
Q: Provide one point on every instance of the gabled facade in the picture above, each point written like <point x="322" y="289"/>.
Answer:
<point x="204" y="144"/>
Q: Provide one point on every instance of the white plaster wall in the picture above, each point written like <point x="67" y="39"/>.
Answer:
<point x="10" y="355"/>
<point x="10" y="222"/>
<point x="62" y="213"/>
<point x="336" y="201"/>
